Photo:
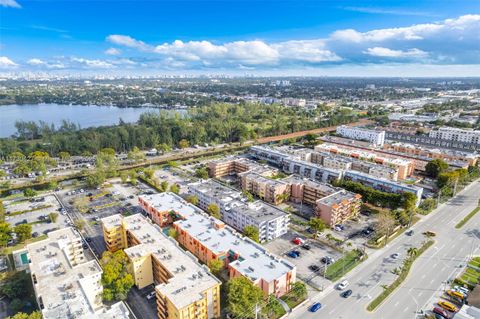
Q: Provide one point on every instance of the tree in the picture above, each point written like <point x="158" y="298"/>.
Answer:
<point x="149" y="172"/>
<point x="183" y="143"/>
<point x="16" y="285"/>
<point x="248" y="196"/>
<point x="28" y="192"/>
<point x="174" y="188"/>
<point x="317" y="225"/>
<point x="53" y="217"/>
<point x="299" y="290"/>
<point x="123" y="177"/>
<point x="136" y="155"/>
<point x="385" y="224"/>
<point x="172" y="232"/>
<point x="64" y="156"/>
<point x="163" y="148"/>
<point x="273" y="308"/>
<point x="412" y="252"/>
<point x="201" y="173"/>
<point x="95" y="180"/>
<point x="79" y="224"/>
<point x="435" y="167"/>
<point x="23" y="232"/>
<point x="164" y="186"/>
<point x="242" y="296"/>
<point x="22" y="315"/>
<point x="192" y="199"/>
<point x="447" y="179"/>
<point x="213" y="210"/>
<point x="52" y="185"/>
<point x="216" y="266"/>
<point x="116" y="278"/>
<point x="252" y="232"/>
<point x="5" y="233"/>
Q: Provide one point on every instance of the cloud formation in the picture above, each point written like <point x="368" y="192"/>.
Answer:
<point x="112" y="51"/>
<point x="389" y="53"/>
<point x="6" y="63"/>
<point x="10" y="4"/>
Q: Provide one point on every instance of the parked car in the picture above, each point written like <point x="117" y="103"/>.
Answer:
<point x="151" y="295"/>
<point x="327" y="260"/>
<point x="448" y="306"/>
<point x="298" y="241"/>
<point x="339" y="227"/>
<point x="346" y="293"/>
<point x="441" y="312"/>
<point x="343" y="285"/>
<point x="395" y="256"/>
<point x="293" y="254"/>
<point x="315" y="307"/>
<point x="306" y="246"/>
<point x="314" y="268"/>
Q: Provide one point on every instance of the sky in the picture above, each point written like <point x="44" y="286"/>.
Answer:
<point x="309" y="38"/>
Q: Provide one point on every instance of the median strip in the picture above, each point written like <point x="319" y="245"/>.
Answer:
<point x="407" y="265"/>
<point x="467" y="218"/>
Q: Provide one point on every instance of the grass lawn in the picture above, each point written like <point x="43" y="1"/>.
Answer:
<point x="467" y="218"/>
<point x="342" y="266"/>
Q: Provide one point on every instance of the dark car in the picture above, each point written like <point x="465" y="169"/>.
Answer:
<point x="88" y="239"/>
<point x="346" y="293"/>
<point x="315" y="307"/>
<point x="306" y="246"/>
<point x="441" y="312"/>
<point x="85" y="246"/>
<point x="314" y="268"/>
<point x="327" y="260"/>
<point x="35" y="234"/>
<point x="409" y="233"/>
<point x="294" y="254"/>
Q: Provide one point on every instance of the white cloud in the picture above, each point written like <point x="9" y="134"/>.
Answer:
<point x="96" y="64"/>
<point x="6" y="63"/>
<point x="10" y="4"/>
<point x="113" y="51"/>
<point x="389" y="53"/>
<point x="35" y="61"/>
<point x="128" y="41"/>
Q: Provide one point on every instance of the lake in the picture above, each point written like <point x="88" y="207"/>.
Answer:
<point x="84" y="115"/>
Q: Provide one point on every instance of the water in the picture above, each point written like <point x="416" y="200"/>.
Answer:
<point x="84" y="115"/>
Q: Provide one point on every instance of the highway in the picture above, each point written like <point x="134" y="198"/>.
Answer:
<point x="429" y="273"/>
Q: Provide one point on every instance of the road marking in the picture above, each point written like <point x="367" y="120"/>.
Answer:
<point x="396" y="304"/>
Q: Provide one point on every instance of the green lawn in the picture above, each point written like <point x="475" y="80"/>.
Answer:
<point x="467" y="218"/>
<point x="342" y="266"/>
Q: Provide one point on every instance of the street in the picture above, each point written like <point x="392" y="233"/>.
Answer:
<point x="428" y="275"/>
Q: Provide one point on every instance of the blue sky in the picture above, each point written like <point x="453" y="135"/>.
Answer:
<point x="358" y="38"/>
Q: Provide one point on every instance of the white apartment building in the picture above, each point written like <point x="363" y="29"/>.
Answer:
<point x="66" y="284"/>
<point x="357" y="133"/>
<point x="456" y="134"/>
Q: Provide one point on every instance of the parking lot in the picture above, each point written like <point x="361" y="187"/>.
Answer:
<point x="307" y="258"/>
<point x="35" y="212"/>
<point x="175" y="176"/>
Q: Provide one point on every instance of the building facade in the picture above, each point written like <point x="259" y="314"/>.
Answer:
<point x="209" y="238"/>
<point x="66" y="284"/>
<point x="338" y="207"/>
<point x="456" y="134"/>
<point x="357" y="133"/>
<point x="269" y="190"/>
<point x="185" y="289"/>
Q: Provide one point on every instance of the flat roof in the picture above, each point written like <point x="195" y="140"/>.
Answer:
<point x="256" y="261"/>
<point x="62" y="283"/>
<point x="189" y="278"/>
<point x="211" y="188"/>
<point x="323" y="187"/>
<point x="338" y="197"/>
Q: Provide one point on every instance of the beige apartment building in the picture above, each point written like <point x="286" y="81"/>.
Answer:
<point x="270" y="190"/>
<point x="338" y="207"/>
<point x="185" y="289"/>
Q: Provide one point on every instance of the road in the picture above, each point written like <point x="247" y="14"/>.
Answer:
<point x="428" y="275"/>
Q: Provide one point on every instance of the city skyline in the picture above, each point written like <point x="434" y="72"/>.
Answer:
<point x="306" y="38"/>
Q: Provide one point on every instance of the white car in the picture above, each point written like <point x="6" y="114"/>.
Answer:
<point x="343" y="285"/>
<point x="151" y="295"/>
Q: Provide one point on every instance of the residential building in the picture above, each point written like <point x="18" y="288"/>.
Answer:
<point x="383" y="184"/>
<point x="310" y="170"/>
<point x="338" y="207"/>
<point x="425" y="140"/>
<point x="66" y="284"/>
<point x="236" y="165"/>
<point x="209" y="238"/>
<point x="185" y="289"/>
<point x="268" y="154"/>
<point x="270" y="190"/>
<point x="307" y="191"/>
<point x="357" y="133"/>
<point x="236" y="211"/>
<point x="456" y="134"/>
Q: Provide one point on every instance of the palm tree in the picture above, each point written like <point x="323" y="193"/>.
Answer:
<point x="412" y="251"/>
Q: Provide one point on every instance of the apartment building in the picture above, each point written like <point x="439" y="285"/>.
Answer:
<point x="268" y="154"/>
<point x="405" y="167"/>
<point x="236" y="211"/>
<point x="357" y="133"/>
<point x="310" y="170"/>
<point x="425" y="140"/>
<point x="338" y="207"/>
<point x="66" y="284"/>
<point x="185" y="289"/>
<point x="270" y="190"/>
<point x="456" y="134"/>
<point x="236" y="165"/>
<point x="384" y="184"/>
<point x="307" y="191"/>
<point x="209" y="238"/>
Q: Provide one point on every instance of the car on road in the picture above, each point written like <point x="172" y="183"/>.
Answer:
<point x="395" y="256"/>
<point x="343" y="285"/>
<point x="315" y="307"/>
<point x="151" y="295"/>
<point x="448" y="306"/>
<point x="298" y="241"/>
<point x="339" y="227"/>
<point x="430" y="233"/>
<point x="293" y="254"/>
<point x="314" y="268"/>
<point x="346" y="293"/>
<point x="409" y="233"/>
<point x="441" y="312"/>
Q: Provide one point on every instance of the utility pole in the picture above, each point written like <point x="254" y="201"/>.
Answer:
<point x="257" y="310"/>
